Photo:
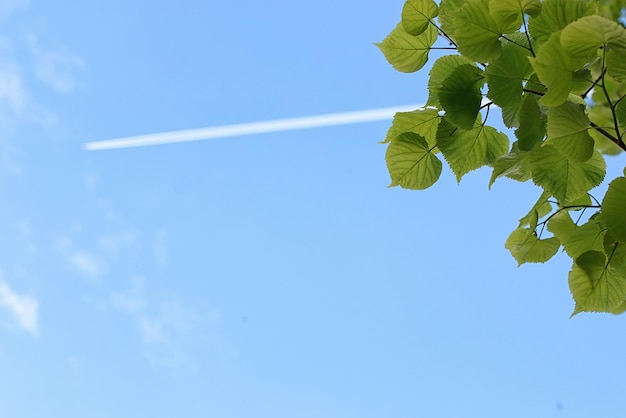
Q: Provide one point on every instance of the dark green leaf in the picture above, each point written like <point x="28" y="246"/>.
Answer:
<point x="532" y="123"/>
<point x="441" y="69"/>
<point x="506" y="74"/>
<point x="460" y="95"/>
<point x="614" y="209"/>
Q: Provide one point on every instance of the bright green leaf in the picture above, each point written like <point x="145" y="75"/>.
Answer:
<point x="614" y="209"/>
<point x="583" y="37"/>
<point x="447" y="15"/>
<point x="595" y="285"/>
<point x="405" y="52"/>
<point x="532" y="123"/>
<point x="421" y="121"/>
<point x="417" y="15"/>
<point x="460" y="95"/>
<point x="441" y="69"/>
<point x="556" y="15"/>
<point x="514" y="165"/>
<point x="411" y="163"/>
<point x="509" y="14"/>
<point x="468" y="150"/>
<point x="575" y="239"/>
<point x="477" y="34"/>
<point x="506" y="74"/>
<point x="565" y="179"/>
<point x="541" y="208"/>
<point x="567" y="131"/>
<point x="526" y="247"/>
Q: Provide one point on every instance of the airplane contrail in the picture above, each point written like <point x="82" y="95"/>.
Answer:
<point x="253" y="128"/>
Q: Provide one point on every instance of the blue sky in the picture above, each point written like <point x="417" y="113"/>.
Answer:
<point x="264" y="276"/>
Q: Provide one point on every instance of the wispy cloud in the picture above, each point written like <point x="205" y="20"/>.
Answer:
<point x="55" y="66"/>
<point x="23" y="308"/>
<point x="167" y="328"/>
<point x="10" y="7"/>
<point x="85" y="263"/>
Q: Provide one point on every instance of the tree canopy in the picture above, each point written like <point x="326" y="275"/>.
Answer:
<point x="557" y="71"/>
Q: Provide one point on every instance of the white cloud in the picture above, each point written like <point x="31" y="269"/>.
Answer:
<point x="23" y="308"/>
<point x="167" y="328"/>
<point x="84" y="262"/>
<point x="55" y="67"/>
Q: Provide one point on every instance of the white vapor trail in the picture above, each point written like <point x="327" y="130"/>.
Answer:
<point x="251" y="128"/>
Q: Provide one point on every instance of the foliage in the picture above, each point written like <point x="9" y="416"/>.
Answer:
<point x="557" y="71"/>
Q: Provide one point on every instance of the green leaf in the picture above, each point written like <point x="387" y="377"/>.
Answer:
<point x="421" y="121"/>
<point x="575" y="239"/>
<point x="616" y="65"/>
<point x="405" y="52"/>
<point x="477" y="34"/>
<point x="565" y="179"/>
<point x="411" y="163"/>
<point x="583" y="37"/>
<point x="526" y="247"/>
<point x="620" y="113"/>
<point x="595" y="285"/>
<point x="509" y="14"/>
<point x="567" y="131"/>
<point x="460" y="95"/>
<point x="468" y="150"/>
<point x="506" y="74"/>
<point x="532" y="123"/>
<point x="557" y="14"/>
<point x="447" y="14"/>
<point x="541" y="208"/>
<point x="614" y="209"/>
<point x="514" y="165"/>
<point x="417" y="15"/>
<point x="442" y="68"/>
<point x="555" y="69"/>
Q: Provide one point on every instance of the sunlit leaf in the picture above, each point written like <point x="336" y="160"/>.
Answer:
<point x="568" y="127"/>
<point x="441" y="69"/>
<point x="583" y="37"/>
<point x="541" y="208"/>
<point x="532" y="123"/>
<point x="557" y="14"/>
<point x="565" y="179"/>
<point x="506" y="74"/>
<point x="411" y="163"/>
<point x="417" y="15"/>
<point x="509" y="14"/>
<point x="595" y="285"/>
<point x="468" y="150"/>
<point x="614" y="209"/>
<point x="514" y="165"/>
<point x="447" y="15"/>
<point x="477" y="33"/>
<point x="526" y="247"/>
<point x="405" y="52"/>
<point x="460" y="96"/>
<point x="421" y="121"/>
<point x="575" y="239"/>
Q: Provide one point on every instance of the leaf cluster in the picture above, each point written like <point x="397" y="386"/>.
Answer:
<point x="557" y="71"/>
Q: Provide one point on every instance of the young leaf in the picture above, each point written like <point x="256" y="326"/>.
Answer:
<point x="614" y="209"/>
<point x="460" y="95"/>
<point x="556" y="14"/>
<point x="583" y="37"/>
<point x="565" y="179"/>
<point x="541" y="208"/>
<point x="595" y="285"/>
<point x="411" y="163"/>
<point x="417" y="15"/>
<point x="441" y="69"/>
<point x="405" y="52"/>
<point x="514" y="165"/>
<point x="567" y="131"/>
<point x="468" y="150"/>
<point x="532" y="123"/>
<point x="421" y="121"/>
<point x="509" y="14"/>
<point x="575" y="239"/>
<point x="525" y="247"/>
<point x="477" y="34"/>
<point x="555" y="69"/>
<point x="506" y="74"/>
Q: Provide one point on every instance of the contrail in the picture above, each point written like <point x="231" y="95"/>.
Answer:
<point x="250" y="128"/>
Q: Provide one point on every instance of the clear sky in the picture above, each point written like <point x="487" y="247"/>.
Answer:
<point x="268" y="276"/>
